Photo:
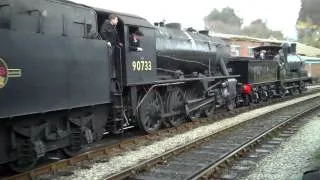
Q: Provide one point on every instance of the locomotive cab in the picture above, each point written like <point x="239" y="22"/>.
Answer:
<point x="133" y="67"/>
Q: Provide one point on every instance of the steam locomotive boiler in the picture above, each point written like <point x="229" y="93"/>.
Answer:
<point x="190" y="51"/>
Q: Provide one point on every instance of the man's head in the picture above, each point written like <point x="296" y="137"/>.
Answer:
<point x="135" y="31"/>
<point x="138" y="33"/>
<point x="113" y="19"/>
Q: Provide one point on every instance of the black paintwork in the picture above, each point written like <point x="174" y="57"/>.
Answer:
<point x="148" y="45"/>
<point x="66" y="72"/>
<point x="280" y="64"/>
<point x="58" y="72"/>
<point x="254" y="71"/>
<point x="188" y="51"/>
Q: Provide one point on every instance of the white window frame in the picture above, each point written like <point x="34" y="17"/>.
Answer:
<point x="233" y="50"/>
<point x="250" y="47"/>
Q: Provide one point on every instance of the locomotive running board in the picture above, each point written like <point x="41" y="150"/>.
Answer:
<point x="169" y="81"/>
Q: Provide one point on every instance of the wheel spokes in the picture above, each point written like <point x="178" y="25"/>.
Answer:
<point x="174" y="104"/>
<point x="150" y="113"/>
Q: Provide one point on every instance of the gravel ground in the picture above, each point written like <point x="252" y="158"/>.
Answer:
<point x="293" y="157"/>
<point x="313" y="87"/>
<point x="131" y="158"/>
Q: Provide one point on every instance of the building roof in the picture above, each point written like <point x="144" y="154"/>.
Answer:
<point x="241" y="37"/>
<point x="310" y="60"/>
<point x="301" y="48"/>
<point x="307" y="50"/>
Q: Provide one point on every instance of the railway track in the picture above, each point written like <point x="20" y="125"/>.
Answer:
<point x="205" y="158"/>
<point x="98" y="154"/>
<point x="244" y="165"/>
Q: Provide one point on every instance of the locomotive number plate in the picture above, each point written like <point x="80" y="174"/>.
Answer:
<point x="141" y="65"/>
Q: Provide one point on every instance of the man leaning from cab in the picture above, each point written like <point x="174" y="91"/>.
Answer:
<point x="109" y="31"/>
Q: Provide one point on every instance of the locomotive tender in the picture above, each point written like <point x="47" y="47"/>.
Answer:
<point x="57" y="92"/>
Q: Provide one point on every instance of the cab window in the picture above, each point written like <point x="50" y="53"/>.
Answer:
<point x="135" y="38"/>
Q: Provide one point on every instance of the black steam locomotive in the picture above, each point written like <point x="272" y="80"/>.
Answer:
<point x="57" y="92"/>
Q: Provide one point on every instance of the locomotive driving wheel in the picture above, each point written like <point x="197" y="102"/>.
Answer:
<point x="247" y="100"/>
<point x="27" y="157"/>
<point x="175" y="103"/>
<point x="189" y="95"/>
<point x="150" y="112"/>
<point x="302" y="86"/>
<point x="282" y="93"/>
<point x="209" y="109"/>
<point x="22" y="166"/>
<point x="294" y="91"/>
<point x="76" y="142"/>
<point x="264" y="95"/>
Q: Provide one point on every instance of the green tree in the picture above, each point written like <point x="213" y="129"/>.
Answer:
<point x="259" y="29"/>
<point x="308" y="23"/>
<point x="277" y="34"/>
<point x="310" y="11"/>
<point x="225" y="21"/>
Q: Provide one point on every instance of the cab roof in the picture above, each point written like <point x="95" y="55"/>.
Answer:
<point x="126" y="18"/>
<point x="272" y="48"/>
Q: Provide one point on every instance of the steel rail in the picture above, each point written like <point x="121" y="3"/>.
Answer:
<point x="148" y="164"/>
<point x="116" y="149"/>
<point x="207" y="172"/>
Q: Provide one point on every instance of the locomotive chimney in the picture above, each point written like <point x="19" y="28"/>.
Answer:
<point x="286" y="49"/>
<point x="293" y="48"/>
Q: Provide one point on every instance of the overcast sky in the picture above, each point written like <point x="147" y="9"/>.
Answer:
<point x="280" y="14"/>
